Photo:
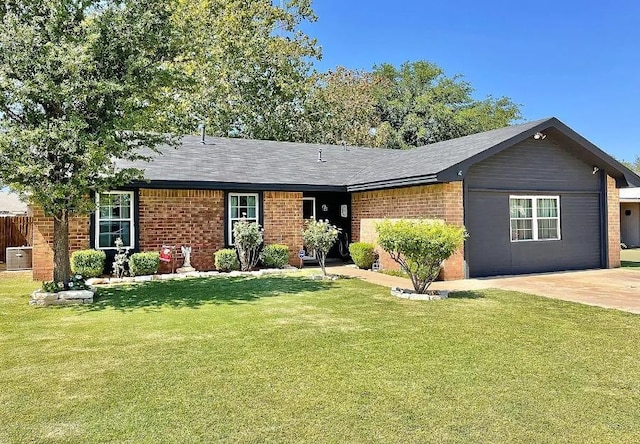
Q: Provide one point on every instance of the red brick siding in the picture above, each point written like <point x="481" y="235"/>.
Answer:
<point x="438" y="201"/>
<point x="283" y="221"/>
<point x="613" y="223"/>
<point x="43" y="241"/>
<point x="182" y="217"/>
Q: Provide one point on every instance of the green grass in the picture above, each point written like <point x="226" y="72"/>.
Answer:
<point x="286" y="359"/>
<point x="630" y="258"/>
<point x="396" y="273"/>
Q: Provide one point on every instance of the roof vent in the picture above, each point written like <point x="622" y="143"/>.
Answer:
<point x="320" y="155"/>
<point x="203" y="132"/>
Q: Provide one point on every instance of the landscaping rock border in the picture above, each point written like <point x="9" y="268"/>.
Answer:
<point x="430" y="295"/>
<point x="40" y="298"/>
<point x="191" y="274"/>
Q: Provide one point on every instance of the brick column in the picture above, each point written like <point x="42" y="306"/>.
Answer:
<point x="613" y="223"/>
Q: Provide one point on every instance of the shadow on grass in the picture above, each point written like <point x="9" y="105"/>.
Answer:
<point x="630" y="264"/>
<point x="193" y="293"/>
<point x="466" y="295"/>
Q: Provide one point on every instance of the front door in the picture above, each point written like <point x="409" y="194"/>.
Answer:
<point x="309" y="212"/>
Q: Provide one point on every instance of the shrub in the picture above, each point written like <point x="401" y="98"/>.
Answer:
<point x="88" y="263"/>
<point x="363" y="254"/>
<point x="275" y="256"/>
<point x="226" y="260"/>
<point x="141" y="264"/>
<point x="320" y="237"/>
<point x="247" y="238"/>
<point x="420" y="247"/>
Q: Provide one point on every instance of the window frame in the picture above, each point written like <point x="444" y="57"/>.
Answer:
<point x="535" y="218"/>
<point x="230" y="219"/>
<point x="130" y="219"/>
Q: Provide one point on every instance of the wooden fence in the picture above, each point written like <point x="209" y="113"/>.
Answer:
<point x="15" y="231"/>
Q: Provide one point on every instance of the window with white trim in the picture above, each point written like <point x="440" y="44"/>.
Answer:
<point x="534" y="218"/>
<point x="114" y="219"/>
<point x="242" y="206"/>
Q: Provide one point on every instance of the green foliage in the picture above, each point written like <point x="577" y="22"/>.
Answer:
<point x="320" y="236"/>
<point x="420" y="247"/>
<point x="363" y="254"/>
<point x="413" y="105"/>
<point x="633" y="166"/>
<point x="275" y="256"/>
<point x="88" y="263"/>
<point x="52" y="286"/>
<point x="141" y="264"/>
<point x="226" y="260"/>
<point x="247" y="238"/>
<point x="250" y="61"/>
<point x="420" y="105"/>
<point x="83" y="84"/>
<point x="76" y="282"/>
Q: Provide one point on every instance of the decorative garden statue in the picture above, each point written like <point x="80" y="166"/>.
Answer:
<point x="186" y="252"/>
<point x="186" y="267"/>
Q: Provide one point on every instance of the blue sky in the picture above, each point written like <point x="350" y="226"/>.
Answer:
<point x="578" y="61"/>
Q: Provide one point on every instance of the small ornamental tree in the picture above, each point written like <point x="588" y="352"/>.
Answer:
<point x="247" y="238"/>
<point x="420" y="247"/>
<point x="320" y="236"/>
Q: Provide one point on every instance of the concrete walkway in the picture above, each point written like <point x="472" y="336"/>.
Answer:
<point x="616" y="288"/>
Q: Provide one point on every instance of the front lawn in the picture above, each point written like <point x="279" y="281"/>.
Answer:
<point x="286" y="359"/>
<point x="630" y="258"/>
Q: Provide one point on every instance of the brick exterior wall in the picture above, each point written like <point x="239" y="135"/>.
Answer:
<point x="178" y="217"/>
<point x="43" y="241"/>
<point x="613" y="223"/>
<point x="283" y="221"/>
<point x="182" y="217"/>
<point x="439" y="201"/>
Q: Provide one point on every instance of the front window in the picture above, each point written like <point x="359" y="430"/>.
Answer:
<point x="114" y="219"/>
<point x="242" y="206"/>
<point x="534" y="218"/>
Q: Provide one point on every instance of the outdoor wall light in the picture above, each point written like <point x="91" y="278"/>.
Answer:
<point x="539" y="136"/>
<point x="595" y="170"/>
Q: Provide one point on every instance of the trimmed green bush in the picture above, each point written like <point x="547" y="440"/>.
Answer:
<point x="363" y="254"/>
<point x="420" y="247"/>
<point x="88" y="263"/>
<point x="226" y="260"/>
<point x="141" y="264"/>
<point x="275" y="256"/>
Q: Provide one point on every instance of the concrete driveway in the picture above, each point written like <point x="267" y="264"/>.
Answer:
<point x="616" y="288"/>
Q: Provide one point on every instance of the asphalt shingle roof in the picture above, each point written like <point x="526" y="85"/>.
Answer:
<point x="243" y="161"/>
<point x="259" y="162"/>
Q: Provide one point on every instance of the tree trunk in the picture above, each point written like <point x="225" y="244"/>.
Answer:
<point x="61" y="264"/>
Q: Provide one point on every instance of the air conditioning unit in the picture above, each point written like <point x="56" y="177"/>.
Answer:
<point x="18" y="258"/>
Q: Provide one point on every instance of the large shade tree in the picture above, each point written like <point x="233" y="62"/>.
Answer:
<point x="81" y="84"/>
<point x="251" y="62"/>
<point x="422" y="105"/>
<point x="398" y="107"/>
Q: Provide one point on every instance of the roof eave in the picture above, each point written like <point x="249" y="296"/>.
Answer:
<point x="394" y="183"/>
<point x="234" y="186"/>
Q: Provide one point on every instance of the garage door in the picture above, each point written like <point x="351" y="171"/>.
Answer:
<point x="490" y="251"/>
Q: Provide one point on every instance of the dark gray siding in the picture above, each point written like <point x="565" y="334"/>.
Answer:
<point x="532" y="167"/>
